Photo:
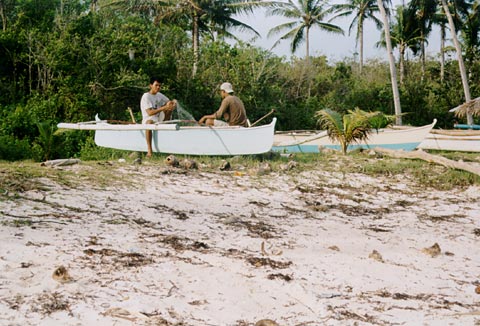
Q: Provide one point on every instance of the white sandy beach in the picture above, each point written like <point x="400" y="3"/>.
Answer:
<point x="202" y="248"/>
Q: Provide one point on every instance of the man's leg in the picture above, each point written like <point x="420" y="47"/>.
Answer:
<point x="148" y="136"/>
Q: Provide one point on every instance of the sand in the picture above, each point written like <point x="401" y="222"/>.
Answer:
<point x="180" y="247"/>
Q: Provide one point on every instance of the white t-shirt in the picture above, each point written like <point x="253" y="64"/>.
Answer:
<point x="150" y="101"/>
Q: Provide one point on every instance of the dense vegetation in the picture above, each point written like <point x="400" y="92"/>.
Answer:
<point x="67" y="60"/>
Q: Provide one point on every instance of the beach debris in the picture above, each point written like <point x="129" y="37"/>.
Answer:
<point x="287" y="155"/>
<point x="124" y="314"/>
<point x="284" y="277"/>
<point x="273" y="252"/>
<point x="266" y="322"/>
<point x="263" y="169"/>
<point x="375" y="154"/>
<point x="61" y="275"/>
<point x="188" y="164"/>
<point x="198" y="302"/>
<point x="334" y="248"/>
<point x="92" y="241"/>
<point x="328" y="295"/>
<point x="289" y="166"/>
<point x="121" y="160"/>
<point x="432" y="251"/>
<point x="48" y="303"/>
<point x="259" y="229"/>
<point x="138" y="160"/>
<point x="117" y="258"/>
<point x="225" y="166"/>
<point x="134" y="155"/>
<point x="61" y="162"/>
<point x="477" y="289"/>
<point x="376" y="255"/>
<point x="172" y="160"/>
<point x="232" y="220"/>
<point x="259" y="262"/>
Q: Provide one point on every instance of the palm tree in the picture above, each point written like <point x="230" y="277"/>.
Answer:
<point x="391" y="60"/>
<point x="404" y="35"/>
<point x="461" y="64"/>
<point x="305" y="14"/>
<point x="425" y="11"/>
<point x="353" y="127"/>
<point x="362" y="10"/>
<point x="459" y="8"/>
<point x="471" y="32"/>
<point x="201" y="16"/>
<point x="442" y="22"/>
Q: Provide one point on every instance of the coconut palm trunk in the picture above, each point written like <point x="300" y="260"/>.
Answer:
<point x="458" y="48"/>
<point x="442" y="52"/>
<point x="360" y="43"/>
<point x="195" y="43"/>
<point x="402" y="63"/>
<point x="391" y="59"/>
<point x="422" y="51"/>
<point x="309" y="80"/>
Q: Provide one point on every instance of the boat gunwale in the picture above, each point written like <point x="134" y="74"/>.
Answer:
<point x="373" y="131"/>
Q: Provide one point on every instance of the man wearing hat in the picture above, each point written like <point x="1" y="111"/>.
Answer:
<point x="231" y="109"/>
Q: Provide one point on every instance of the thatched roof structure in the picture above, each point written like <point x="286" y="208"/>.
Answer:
<point x="472" y="107"/>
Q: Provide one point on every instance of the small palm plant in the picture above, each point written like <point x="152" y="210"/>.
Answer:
<point x="353" y="127"/>
<point x="46" y="139"/>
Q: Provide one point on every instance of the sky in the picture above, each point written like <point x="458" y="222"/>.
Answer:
<point x="335" y="47"/>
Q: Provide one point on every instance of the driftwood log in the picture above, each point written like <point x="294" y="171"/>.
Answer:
<point x="61" y="162"/>
<point x="419" y="154"/>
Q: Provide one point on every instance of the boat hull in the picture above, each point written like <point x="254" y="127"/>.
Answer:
<point x="306" y="142"/>
<point x="192" y="140"/>
<point x="452" y="140"/>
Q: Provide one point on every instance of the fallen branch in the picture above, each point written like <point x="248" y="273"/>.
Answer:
<point x="61" y="162"/>
<point x="419" y="154"/>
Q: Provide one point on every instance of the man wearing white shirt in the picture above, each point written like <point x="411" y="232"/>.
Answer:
<point x="155" y="107"/>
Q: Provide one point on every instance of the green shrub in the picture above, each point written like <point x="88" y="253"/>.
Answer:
<point x="13" y="149"/>
<point x="91" y="152"/>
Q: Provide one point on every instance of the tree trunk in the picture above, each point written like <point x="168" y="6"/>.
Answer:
<point x="391" y="59"/>
<point x="402" y="63"/>
<point x="422" y="49"/>
<point x="442" y="52"/>
<point x="307" y="39"/>
<point x="195" y="42"/>
<point x="360" y="43"/>
<point x="93" y="6"/>
<point x="461" y="65"/>
<point x="3" y="15"/>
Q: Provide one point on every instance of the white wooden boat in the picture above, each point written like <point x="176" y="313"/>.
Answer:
<point x="452" y="140"/>
<point x="175" y="139"/>
<point x="311" y="142"/>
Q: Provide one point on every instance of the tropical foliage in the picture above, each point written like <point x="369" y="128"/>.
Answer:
<point x="67" y="60"/>
<point x="305" y="15"/>
<point x="353" y="127"/>
<point x="361" y="10"/>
